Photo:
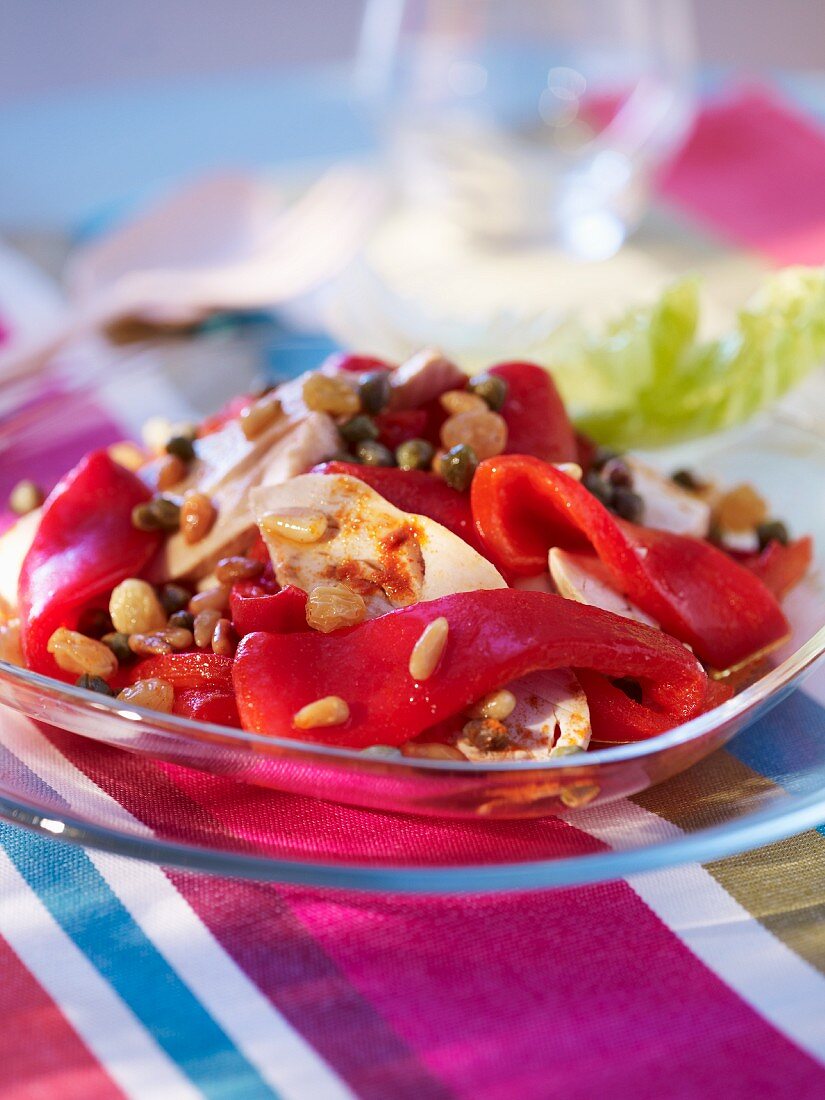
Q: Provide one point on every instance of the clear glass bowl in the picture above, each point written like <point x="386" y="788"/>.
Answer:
<point x="780" y="457"/>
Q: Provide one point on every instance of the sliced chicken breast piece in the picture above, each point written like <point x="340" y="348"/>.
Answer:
<point x="586" y="581"/>
<point x="426" y="375"/>
<point x="227" y="467"/>
<point x="392" y="558"/>
<point x="667" y="506"/>
<point x="551" y="718"/>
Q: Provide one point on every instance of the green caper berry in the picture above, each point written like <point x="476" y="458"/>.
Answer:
<point x="358" y="429"/>
<point x="181" y="448"/>
<point x="490" y="388"/>
<point x="174" y="597"/>
<point x="144" y="517"/>
<point x="686" y="479"/>
<point x="94" y="622"/>
<point x="183" y="620"/>
<point x="601" y="457"/>
<point x="414" y="454"/>
<point x="93" y="683"/>
<point x="627" y="504"/>
<point x="597" y="486"/>
<point x="458" y="466"/>
<point x="167" y="513"/>
<point x="772" y="531"/>
<point x="119" y="645"/>
<point x="374" y="391"/>
<point x="372" y="453"/>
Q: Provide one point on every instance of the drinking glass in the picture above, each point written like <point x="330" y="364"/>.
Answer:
<point x="531" y="120"/>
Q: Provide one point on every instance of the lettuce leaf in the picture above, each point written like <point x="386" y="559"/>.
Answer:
<point x="647" y="379"/>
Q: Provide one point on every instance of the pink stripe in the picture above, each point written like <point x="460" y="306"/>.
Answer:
<point x="576" y="993"/>
<point x="42" y="1056"/>
<point x="754" y="173"/>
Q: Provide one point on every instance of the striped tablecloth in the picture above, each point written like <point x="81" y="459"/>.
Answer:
<point x="123" y="978"/>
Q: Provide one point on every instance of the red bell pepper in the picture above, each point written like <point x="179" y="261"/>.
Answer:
<point x="396" y="428"/>
<point x="416" y="491"/>
<point x="355" y="364"/>
<point x="537" y="421"/>
<point x="208" y="705"/>
<point x="185" y="671"/>
<point x="781" y="567"/>
<point x="522" y="507"/>
<point x="281" y="612"/>
<point x="85" y="545"/>
<point x="494" y="637"/>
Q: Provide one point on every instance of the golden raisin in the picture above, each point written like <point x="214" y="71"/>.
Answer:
<point x="135" y="608"/>
<point x="197" y="515"/>
<point x="323" y="393"/>
<point x="76" y="653"/>
<point x="153" y="693"/>
<point x="484" y="432"/>
<point x="333" y="606"/>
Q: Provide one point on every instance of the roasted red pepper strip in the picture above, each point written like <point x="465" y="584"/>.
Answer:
<point x="616" y="719"/>
<point x="537" y="422"/>
<point x="494" y="637"/>
<point x="780" y="567"/>
<point x="187" y="671"/>
<point x="281" y="612"/>
<point x="84" y="546"/>
<point x="522" y="507"/>
<point x="396" y="428"/>
<point x="416" y="491"/>
<point x="208" y="705"/>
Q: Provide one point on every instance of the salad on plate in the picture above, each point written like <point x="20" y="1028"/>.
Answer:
<point x="398" y="559"/>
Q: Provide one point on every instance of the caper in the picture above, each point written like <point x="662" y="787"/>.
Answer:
<point x="174" y="597"/>
<point x="358" y="429"/>
<point x="627" y="504"/>
<point x="372" y="453"/>
<point x="374" y="391"/>
<point x="597" y="486"/>
<point x="601" y="457"/>
<point x="686" y="479"/>
<point x="619" y="475"/>
<point x="457" y="466"/>
<point x="344" y="456"/>
<point x="181" y="448"/>
<point x="181" y="620"/>
<point x="93" y="683"/>
<point x="490" y="388"/>
<point x="144" y="518"/>
<point x="94" y="622"/>
<point x="414" y="454"/>
<point x="119" y="645"/>
<point x="167" y="513"/>
<point x="772" y="531"/>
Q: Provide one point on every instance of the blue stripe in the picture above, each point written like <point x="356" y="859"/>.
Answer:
<point x="88" y="911"/>
<point x="787" y="746"/>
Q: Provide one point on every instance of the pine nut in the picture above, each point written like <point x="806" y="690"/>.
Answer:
<point x="431" y="751"/>
<point x="76" y="653"/>
<point x="459" y="401"/>
<point x="572" y="469"/>
<point x="171" y="470"/>
<point x="229" y="570"/>
<point x="498" y="704"/>
<point x="329" y="711"/>
<point x="25" y="497"/>
<point x="428" y="649"/>
<point x="10" y="650"/>
<point x="212" y="599"/>
<point x="154" y="694"/>
<point x="204" y="627"/>
<point x="127" y="454"/>
<point x="295" y="524"/>
<point x="197" y="516"/>
<point x="258" y="416"/>
<point x="178" y="637"/>
<point x="135" y="608"/>
<point x="224" y="638"/>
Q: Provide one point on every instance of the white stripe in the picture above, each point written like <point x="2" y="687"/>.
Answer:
<point x="108" y="1027"/>
<point x="280" y="1054"/>
<point x="767" y="974"/>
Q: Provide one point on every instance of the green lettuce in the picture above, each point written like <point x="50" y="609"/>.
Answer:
<point x="647" y="379"/>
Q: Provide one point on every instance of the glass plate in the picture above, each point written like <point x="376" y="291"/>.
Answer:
<point x="782" y="457"/>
